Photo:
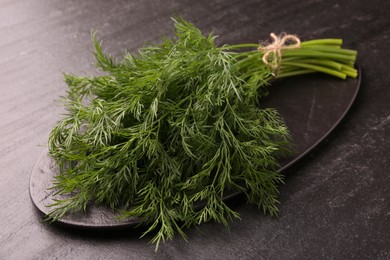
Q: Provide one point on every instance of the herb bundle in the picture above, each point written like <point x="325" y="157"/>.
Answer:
<point x="179" y="125"/>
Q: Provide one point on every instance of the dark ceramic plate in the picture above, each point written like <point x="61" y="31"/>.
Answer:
<point x="311" y="105"/>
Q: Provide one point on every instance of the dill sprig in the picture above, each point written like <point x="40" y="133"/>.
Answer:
<point x="173" y="127"/>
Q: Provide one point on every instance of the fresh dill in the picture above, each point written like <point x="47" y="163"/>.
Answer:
<point x="175" y="126"/>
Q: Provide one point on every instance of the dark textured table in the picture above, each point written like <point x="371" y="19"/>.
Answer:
<point x="335" y="204"/>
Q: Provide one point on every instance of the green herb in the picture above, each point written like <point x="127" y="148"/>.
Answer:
<point x="177" y="126"/>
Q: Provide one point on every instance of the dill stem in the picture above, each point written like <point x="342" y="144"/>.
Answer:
<point x="317" y="68"/>
<point x="322" y="42"/>
<point x="239" y="46"/>
<point x="332" y="49"/>
<point x="317" y="54"/>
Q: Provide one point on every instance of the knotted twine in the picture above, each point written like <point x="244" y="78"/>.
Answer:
<point x="276" y="47"/>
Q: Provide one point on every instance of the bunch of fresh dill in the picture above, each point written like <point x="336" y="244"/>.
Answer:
<point x="172" y="127"/>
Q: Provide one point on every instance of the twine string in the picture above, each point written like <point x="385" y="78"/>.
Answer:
<point x="276" y="47"/>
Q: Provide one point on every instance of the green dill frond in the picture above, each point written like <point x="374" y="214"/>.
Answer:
<point x="173" y="127"/>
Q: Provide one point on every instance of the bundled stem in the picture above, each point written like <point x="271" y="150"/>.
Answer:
<point x="321" y="55"/>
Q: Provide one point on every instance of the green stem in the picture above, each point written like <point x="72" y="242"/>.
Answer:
<point x="332" y="49"/>
<point x="317" y="54"/>
<point x="239" y="46"/>
<point x="327" y="63"/>
<point x="323" y="42"/>
<point x="317" y="68"/>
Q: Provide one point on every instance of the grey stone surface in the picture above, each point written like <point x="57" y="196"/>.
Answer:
<point x="334" y="205"/>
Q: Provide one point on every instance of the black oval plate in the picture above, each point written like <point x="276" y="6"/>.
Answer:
<point x="311" y="106"/>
